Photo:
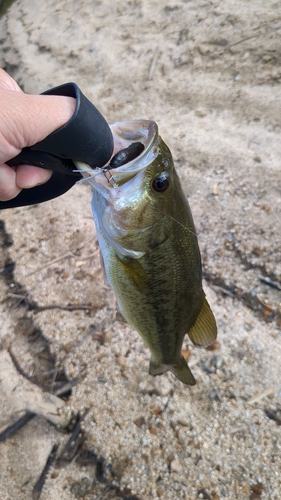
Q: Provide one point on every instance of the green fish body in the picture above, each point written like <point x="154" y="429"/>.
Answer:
<point x="150" y="251"/>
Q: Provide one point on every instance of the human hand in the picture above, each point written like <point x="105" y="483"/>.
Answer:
<point x="25" y="120"/>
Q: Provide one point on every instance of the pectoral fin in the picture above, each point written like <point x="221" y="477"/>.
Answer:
<point x="135" y="272"/>
<point x="181" y="371"/>
<point x="204" y="330"/>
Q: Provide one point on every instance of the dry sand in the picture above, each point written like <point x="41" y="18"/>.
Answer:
<point x="208" y="72"/>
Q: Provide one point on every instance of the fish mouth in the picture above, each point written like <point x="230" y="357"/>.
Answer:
<point x="125" y="134"/>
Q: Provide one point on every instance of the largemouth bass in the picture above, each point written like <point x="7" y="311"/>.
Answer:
<point x="150" y="251"/>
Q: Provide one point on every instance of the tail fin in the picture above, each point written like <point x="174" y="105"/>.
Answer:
<point x="181" y="371"/>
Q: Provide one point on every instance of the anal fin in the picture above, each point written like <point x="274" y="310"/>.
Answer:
<point x="204" y="330"/>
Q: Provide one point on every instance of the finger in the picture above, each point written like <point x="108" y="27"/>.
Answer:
<point x="28" y="176"/>
<point x="8" y="187"/>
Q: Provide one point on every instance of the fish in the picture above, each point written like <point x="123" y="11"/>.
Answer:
<point x="149" y="248"/>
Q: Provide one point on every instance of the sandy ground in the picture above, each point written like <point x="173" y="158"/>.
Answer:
<point x="208" y="72"/>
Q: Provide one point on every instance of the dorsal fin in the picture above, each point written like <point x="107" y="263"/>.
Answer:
<point x="204" y="330"/>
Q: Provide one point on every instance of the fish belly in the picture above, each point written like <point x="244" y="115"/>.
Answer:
<point x="159" y="294"/>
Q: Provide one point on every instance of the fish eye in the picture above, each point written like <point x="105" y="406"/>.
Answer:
<point x="161" y="183"/>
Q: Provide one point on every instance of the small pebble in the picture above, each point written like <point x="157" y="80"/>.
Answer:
<point x="163" y="386"/>
<point x="213" y="394"/>
<point x="257" y="159"/>
<point x="139" y="422"/>
<point x="214" y="346"/>
<point x="160" y="491"/>
<point x="176" y="465"/>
